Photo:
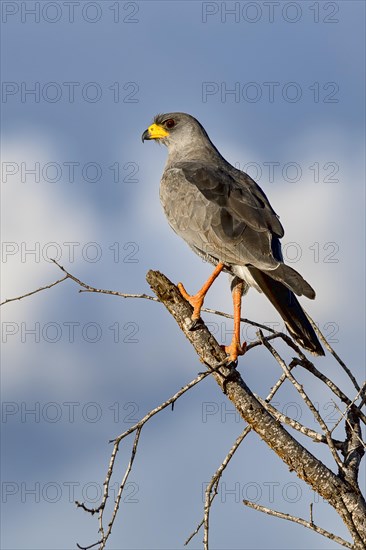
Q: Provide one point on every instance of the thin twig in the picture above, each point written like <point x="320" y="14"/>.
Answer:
<point x="235" y="380"/>
<point x="88" y="547"/>
<point x="212" y="487"/>
<point x="120" y="294"/>
<point x="215" y="482"/>
<point x="335" y="354"/>
<point x="342" y="415"/>
<point x="306" y="364"/>
<point x="92" y="289"/>
<point x="305" y="397"/>
<point x="35" y="291"/>
<point x="357" y="411"/>
<point x="300" y="521"/>
<point x="259" y="343"/>
<point x="136" y="428"/>
<point x="119" y="494"/>
<point x="242" y="319"/>
<point x="315" y="436"/>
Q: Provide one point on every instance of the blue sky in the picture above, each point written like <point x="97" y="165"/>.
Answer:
<point x="281" y="93"/>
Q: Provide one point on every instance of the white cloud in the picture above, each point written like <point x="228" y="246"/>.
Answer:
<point x="35" y="215"/>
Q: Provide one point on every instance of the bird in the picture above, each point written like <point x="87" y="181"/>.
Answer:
<point x="227" y="219"/>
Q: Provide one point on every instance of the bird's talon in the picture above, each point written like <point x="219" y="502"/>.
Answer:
<point x="183" y="291"/>
<point x="234" y="350"/>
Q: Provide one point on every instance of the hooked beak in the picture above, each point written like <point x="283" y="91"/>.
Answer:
<point x="145" y="135"/>
<point x="155" y="131"/>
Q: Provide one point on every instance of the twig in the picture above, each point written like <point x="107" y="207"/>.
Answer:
<point x="300" y="521"/>
<point x="331" y="385"/>
<point x="92" y="289"/>
<point x="119" y="494"/>
<point x="212" y="487"/>
<point x="331" y="350"/>
<point x="88" y="547"/>
<point x="307" y="467"/>
<point x="342" y="415"/>
<point x="214" y="484"/>
<point x="242" y="319"/>
<point x="259" y="343"/>
<point x="136" y="428"/>
<point x="315" y="436"/>
<point x="305" y="397"/>
<point x="35" y="291"/>
<point x="357" y="411"/>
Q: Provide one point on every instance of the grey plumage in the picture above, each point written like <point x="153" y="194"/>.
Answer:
<point x="225" y="216"/>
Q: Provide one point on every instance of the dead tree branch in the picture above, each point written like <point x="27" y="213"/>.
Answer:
<point x="334" y="488"/>
<point x="300" y="521"/>
<point x="35" y="291"/>
<point x="106" y="484"/>
<point x="340" y="490"/>
<point x="212" y="487"/>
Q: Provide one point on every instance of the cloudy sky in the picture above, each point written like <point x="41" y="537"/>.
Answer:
<point x="279" y="86"/>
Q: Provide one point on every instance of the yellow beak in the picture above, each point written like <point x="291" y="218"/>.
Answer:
<point x="155" y="131"/>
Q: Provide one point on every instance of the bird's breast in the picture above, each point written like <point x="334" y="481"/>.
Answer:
<point x="184" y="206"/>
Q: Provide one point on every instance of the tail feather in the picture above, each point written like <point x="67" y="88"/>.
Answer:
<point x="287" y="305"/>
<point x="293" y="280"/>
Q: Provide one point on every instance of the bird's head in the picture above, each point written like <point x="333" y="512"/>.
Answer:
<point x="175" y="130"/>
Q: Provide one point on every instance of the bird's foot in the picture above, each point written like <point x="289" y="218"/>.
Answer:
<point x="234" y="350"/>
<point x="196" y="302"/>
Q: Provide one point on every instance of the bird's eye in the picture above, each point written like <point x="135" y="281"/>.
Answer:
<point x="170" y="123"/>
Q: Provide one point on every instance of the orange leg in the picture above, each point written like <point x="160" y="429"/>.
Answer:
<point x="235" y="348"/>
<point x="196" y="301"/>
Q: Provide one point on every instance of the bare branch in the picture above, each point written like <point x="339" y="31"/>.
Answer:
<point x="119" y="494"/>
<point x="354" y="446"/>
<point x="136" y="428"/>
<point x="341" y="491"/>
<point x="350" y="404"/>
<point x="35" y="291"/>
<point x="300" y="521"/>
<point x="212" y="487"/>
<point x="92" y="289"/>
<point x="360" y="541"/>
<point x="305" y="397"/>
<point x="331" y="350"/>
<point x="306" y="364"/>
<point x="315" y="436"/>
<point x="343" y="415"/>
<point x="242" y="319"/>
<point x="88" y="547"/>
<point x="327" y="484"/>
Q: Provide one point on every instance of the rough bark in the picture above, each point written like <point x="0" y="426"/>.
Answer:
<point x="344" y="496"/>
